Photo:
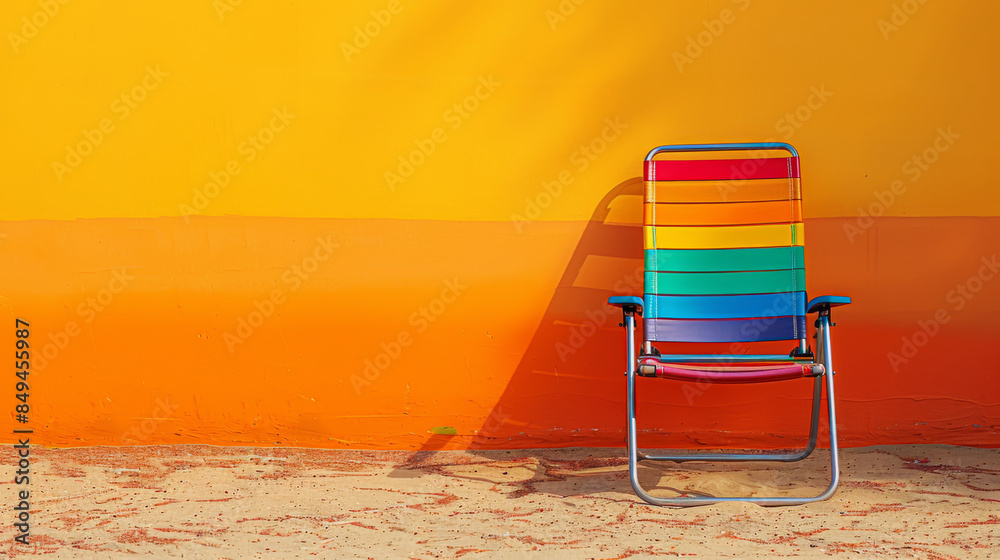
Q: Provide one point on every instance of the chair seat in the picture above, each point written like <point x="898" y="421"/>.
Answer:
<point x="744" y="372"/>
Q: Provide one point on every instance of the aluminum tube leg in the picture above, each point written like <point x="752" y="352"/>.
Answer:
<point x="827" y="354"/>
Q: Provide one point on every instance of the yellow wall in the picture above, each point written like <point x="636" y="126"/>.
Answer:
<point x="558" y="82"/>
<point x="121" y="119"/>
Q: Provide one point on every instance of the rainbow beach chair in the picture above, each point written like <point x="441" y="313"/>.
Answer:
<point x="724" y="263"/>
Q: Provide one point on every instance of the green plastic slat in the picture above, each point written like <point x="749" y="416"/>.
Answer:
<point x="713" y="260"/>
<point x="725" y="283"/>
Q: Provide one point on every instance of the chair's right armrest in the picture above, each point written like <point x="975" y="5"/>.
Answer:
<point x="626" y="302"/>
<point x="824" y="303"/>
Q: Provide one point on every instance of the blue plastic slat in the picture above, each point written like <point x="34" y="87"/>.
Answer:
<point x="725" y="307"/>
<point x="732" y="330"/>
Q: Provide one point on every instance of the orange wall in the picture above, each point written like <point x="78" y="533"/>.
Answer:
<point x="209" y="223"/>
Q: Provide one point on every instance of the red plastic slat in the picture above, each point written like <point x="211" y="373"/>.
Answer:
<point x="721" y="169"/>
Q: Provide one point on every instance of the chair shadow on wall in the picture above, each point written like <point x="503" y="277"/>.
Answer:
<point x="566" y="379"/>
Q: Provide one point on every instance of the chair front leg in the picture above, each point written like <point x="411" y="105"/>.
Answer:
<point x="633" y="448"/>
<point x="823" y="333"/>
<point x="824" y="325"/>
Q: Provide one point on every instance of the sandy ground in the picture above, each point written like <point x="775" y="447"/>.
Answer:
<point x="933" y="502"/>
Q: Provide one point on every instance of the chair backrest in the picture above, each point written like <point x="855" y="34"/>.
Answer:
<point x="724" y="251"/>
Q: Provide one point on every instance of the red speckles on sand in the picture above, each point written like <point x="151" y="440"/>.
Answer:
<point x="922" y="465"/>
<point x="650" y="551"/>
<point x="879" y="508"/>
<point x="955" y="495"/>
<point x="142" y="536"/>
<point x="993" y="520"/>
<point x="291" y="503"/>
<point x="792" y="537"/>
<point x="504" y="514"/>
<point x="872" y="484"/>
<point x="679" y="522"/>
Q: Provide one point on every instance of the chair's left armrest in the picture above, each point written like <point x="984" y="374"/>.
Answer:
<point x="824" y="303"/>
<point x="627" y="301"/>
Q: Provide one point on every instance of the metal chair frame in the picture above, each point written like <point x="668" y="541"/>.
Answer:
<point x="824" y="355"/>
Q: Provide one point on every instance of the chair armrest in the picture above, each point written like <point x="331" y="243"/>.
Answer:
<point x="626" y="301"/>
<point x="822" y="303"/>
